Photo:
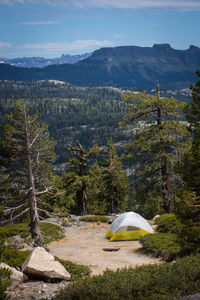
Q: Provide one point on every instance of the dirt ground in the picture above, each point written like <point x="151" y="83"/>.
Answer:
<point x="85" y="244"/>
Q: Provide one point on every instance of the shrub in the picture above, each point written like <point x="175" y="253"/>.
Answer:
<point x="14" y="257"/>
<point x="4" y="282"/>
<point x="168" y="223"/>
<point x="51" y="232"/>
<point x="164" y="245"/>
<point x="102" y="219"/>
<point x="15" y="229"/>
<point x="164" y="281"/>
<point x="76" y="271"/>
<point x="189" y="238"/>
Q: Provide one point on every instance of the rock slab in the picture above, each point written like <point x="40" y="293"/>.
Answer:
<point x="41" y="264"/>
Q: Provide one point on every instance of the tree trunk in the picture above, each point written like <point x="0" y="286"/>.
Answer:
<point x="35" y="221"/>
<point x="81" y="202"/>
<point x="112" y="207"/>
<point x="167" y="201"/>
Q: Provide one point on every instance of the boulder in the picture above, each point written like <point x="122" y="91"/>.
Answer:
<point x="41" y="264"/>
<point x="16" y="276"/>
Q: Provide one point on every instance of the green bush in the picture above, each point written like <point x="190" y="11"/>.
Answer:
<point x="102" y="219"/>
<point x="164" y="281"/>
<point x="14" y="257"/>
<point x="15" y="229"/>
<point x="51" y="232"/>
<point x="168" y="223"/>
<point x="164" y="245"/>
<point x="189" y="238"/>
<point x="76" y="271"/>
<point x="4" y="282"/>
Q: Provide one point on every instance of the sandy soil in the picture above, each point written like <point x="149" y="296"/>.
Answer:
<point x="85" y="244"/>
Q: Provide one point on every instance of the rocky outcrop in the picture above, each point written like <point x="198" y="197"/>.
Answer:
<point x="41" y="264"/>
<point x="16" y="276"/>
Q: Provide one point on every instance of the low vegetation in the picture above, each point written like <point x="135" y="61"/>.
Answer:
<point x="168" y="223"/>
<point x="164" y="281"/>
<point x="14" y="257"/>
<point x="51" y="232"/>
<point x="173" y="239"/>
<point x="166" y="243"/>
<point x="11" y="256"/>
<point x="15" y="229"/>
<point x="4" y="282"/>
<point x="77" y="271"/>
<point x="163" y="245"/>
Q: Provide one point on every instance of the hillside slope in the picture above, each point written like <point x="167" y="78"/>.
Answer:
<point x="125" y="66"/>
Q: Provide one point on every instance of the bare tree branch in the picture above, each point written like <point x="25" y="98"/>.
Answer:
<point x="44" y="191"/>
<point x="7" y="210"/>
<point x="15" y="217"/>
<point x="178" y="179"/>
<point x="33" y="141"/>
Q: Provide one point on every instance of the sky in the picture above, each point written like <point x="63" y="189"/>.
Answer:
<point x="50" y="28"/>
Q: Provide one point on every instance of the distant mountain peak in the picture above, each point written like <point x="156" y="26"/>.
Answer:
<point x="41" y="62"/>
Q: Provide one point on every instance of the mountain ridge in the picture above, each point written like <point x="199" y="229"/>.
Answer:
<point x="41" y="62"/>
<point x="123" y="66"/>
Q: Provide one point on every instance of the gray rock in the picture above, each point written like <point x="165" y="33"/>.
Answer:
<point x="191" y="297"/>
<point x="41" y="264"/>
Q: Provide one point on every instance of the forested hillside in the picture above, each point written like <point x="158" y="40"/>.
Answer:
<point x="89" y="114"/>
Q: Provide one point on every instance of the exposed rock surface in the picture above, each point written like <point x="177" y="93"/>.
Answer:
<point x="191" y="297"/>
<point x="16" y="276"/>
<point x="35" y="290"/>
<point x="41" y="264"/>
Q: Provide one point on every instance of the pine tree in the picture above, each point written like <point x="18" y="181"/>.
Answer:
<point x="115" y="180"/>
<point x="156" y="142"/>
<point x="76" y="177"/>
<point x="189" y="199"/>
<point x="27" y="178"/>
<point x="191" y="166"/>
<point x="95" y="198"/>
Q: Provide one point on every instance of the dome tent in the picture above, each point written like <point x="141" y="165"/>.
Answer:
<point x="128" y="226"/>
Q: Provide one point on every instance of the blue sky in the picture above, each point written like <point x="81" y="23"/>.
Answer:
<point x="50" y="28"/>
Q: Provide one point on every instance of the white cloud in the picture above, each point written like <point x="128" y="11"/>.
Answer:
<point x="66" y="46"/>
<point x="40" y="23"/>
<point x="124" y="4"/>
<point x="5" y="45"/>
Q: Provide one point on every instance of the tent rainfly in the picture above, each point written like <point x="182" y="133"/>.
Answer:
<point x="128" y="226"/>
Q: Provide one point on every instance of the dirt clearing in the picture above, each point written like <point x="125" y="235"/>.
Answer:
<point x="84" y="245"/>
